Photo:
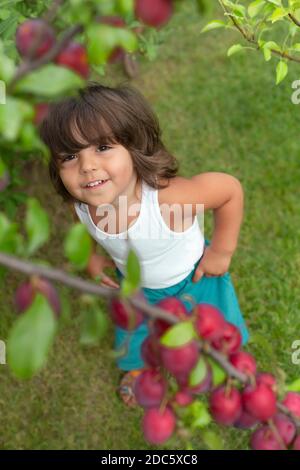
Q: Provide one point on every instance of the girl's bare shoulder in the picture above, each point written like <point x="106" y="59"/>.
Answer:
<point x="210" y="189"/>
<point x="169" y="193"/>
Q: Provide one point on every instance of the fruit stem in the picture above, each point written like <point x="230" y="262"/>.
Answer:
<point x="164" y="402"/>
<point x="228" y="386"/>
<point x="276" y="434"/>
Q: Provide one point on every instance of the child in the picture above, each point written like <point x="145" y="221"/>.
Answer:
<point x="107" y="157"/>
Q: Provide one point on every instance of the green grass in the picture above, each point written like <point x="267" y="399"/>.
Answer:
<point x="217" y="114"/>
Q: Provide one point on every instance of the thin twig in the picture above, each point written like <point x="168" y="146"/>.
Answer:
<point x="294" y="19"/>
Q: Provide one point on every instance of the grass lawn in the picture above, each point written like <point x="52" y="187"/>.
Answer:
<point x="217" y="114"/>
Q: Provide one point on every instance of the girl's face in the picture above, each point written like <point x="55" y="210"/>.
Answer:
<point x="110" y="162"/>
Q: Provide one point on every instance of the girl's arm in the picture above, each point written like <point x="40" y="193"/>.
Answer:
<point x="226" y="198"/>
<point x="219" y="192"/>
<point x="223" y="194"/>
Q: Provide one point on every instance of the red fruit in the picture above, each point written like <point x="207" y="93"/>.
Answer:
<point x="210" y="322"/>
<point x="259" y="401"/>
<point x="183" y="398"/>
<point x="28" y="32"/>
<point x="150" y="351"/>
<point x="245" y="421"/>
<point x="26" y="292"/>
<point x="267" y="379"/>
<point x="150" y="388"/>
<point x="158" y="426"/>
<point x="123" y="317"/>
<point x="41" y="111"/>
<point x="4" y="181"/>
<point x="154" y="12"/>
<point x="292" y="402"/>
<point x="244" y="362"/>
<point x="225" y="405"/>
<point x="74" y="57"/>
<point x="171" y="305"/>
<point x="264" y="439"/>
<point x="180" y="360"/>
<point x="117" y="55"/>
<point x="296" y="445"/>
<point x="285" y="427"/>
<point x="230" y="341"/>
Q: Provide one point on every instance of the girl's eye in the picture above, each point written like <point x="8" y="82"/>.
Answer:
<point x="70" y="157"/>
<point x="66" y="159"/>
<point x="103" y="146"/>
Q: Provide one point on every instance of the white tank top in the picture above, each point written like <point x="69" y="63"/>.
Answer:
<point x="166" y="257"/>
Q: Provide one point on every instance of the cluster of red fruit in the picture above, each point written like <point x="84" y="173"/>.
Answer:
<point x="34" y="38"/>
<point x="231" y="404"/>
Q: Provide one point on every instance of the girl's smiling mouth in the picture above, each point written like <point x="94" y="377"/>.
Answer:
<point x="95" y="184"/>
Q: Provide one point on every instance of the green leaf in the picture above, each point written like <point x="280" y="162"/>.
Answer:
<point x="94" y="327"/>
<point x="178" y="335"/>
<point x="78" y="245"/>
<point x="30" y="339"/>
<point x="37" y="225"/>
<point x="236" y="9"/>
<point x="296" y="47"/>
<point x="275" y="2"/>
<point x="3" y="169"/>
<point x="12" y="115"/>
<point x="272" y="45"/>
<point x="266" y="48"/>
<point x="199" y="416"/>
<point x="133" y="270"/>
<point x="125" y="7"/>
<point x="267" y="54"/>
<point x="278" y="14"/>
<point x="205" y="7"/>
<point x="293" y="29"/>
<point x="132" y="280"/>
<point x="198" y="373"/>
<point x="7" y="65"/>
<point x="11" y="240"/>
<point x="212" y="440"/>
<point x="255" y="7"/>
<point x="103" y="38"/>
<point x="234" y="49"/>
<point x="218" y="374"/>
<point x="127" y="39"/>
<point x="293" y="386"/>
<point x="213" y="25"/>
<point x="281" y="71"/>
<point x="50" y="81"/>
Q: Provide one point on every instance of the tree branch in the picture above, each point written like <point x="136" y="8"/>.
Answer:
<point x="60" y="276"/>
<point x="252" y="40"/>
<point x="294" y="19"/>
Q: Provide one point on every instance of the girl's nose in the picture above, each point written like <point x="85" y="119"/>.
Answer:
<point x="87" y="162"/>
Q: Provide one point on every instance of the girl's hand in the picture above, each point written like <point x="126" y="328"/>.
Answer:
<point x="212" y="264"/>
<point x="96" y="265"/>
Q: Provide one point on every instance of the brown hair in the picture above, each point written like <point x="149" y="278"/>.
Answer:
<point x="103" y="115"/>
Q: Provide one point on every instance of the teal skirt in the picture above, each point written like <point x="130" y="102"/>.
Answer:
<point x="218" y="291"/>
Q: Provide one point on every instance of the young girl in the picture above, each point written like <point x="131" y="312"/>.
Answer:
<point x="109" y="164"/>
